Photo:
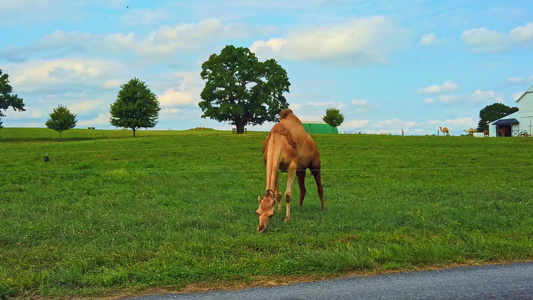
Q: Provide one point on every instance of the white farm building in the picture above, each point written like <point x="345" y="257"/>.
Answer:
<point x="518" y="123"/>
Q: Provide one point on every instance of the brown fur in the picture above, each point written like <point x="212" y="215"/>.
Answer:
<point x="502" y="131"/>
<point x="444" y="130"/>
<point x="485" y="132"/>
<point x="290" y="149"/>
<point x="284" y="113"/>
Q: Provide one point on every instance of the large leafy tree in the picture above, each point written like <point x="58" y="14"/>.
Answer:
<point x="7" y="98"/>
<point x="493" y="112"/>
<point x="136" y="107"/>
<point x="241" y="89"/>
<point x="61" y="119"/>
<point x="333" y="117"/>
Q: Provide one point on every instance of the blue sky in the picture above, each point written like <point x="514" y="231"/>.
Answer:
<point x="387" y="65"/>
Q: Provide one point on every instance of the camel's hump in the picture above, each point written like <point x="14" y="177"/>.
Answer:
<point x="284" y="113"/>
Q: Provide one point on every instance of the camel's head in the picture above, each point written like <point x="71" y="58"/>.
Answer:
<point x="265" y="212"/>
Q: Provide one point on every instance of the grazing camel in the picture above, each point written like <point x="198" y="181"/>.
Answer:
<point x="290" y="149"/>
<point x="444" y="130"/>
<point x="485" y="132"/>
<point x="471" y="131"/>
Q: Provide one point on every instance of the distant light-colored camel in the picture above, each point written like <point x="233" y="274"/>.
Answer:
<point x="471" y="131"/>
<point x="485" y="132"/>
<point x="445" y="131"/>
<point x="290" y="149"/>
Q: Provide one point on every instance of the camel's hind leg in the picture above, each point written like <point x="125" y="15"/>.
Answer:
<point x="318" y="179"/>
<point x="291" y="173"/>
<point x="301" y="184"/>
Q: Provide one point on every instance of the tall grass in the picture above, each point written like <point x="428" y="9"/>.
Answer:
<point x="170" y="208"/>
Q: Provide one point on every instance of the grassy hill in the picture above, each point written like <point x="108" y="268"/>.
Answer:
<point x="166" y="209"/>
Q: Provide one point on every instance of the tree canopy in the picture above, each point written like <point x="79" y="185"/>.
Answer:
<point x="7" y="98"/>
<point x="333" y="117"/>
<point x="61" y="119"/>
<point x="241" y="89"/>
<point x="493" y="112"/>
<point x="135" y="107"/>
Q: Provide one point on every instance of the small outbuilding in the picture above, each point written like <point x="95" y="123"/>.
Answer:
<point x="319" y="127"/>
<point x="518" y="123"/>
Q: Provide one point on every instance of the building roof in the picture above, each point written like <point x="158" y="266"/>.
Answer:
<point x="319" y="128"/>
<point x="528" y="92"/>
<point x="502" y="122"/>
<point x="313" y="122"/>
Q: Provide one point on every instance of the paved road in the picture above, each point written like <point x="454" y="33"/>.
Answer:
<point x="513" y="281"/>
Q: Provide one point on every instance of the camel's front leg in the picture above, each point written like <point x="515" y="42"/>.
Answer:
<point x="278" y="196"/>
<point x="291" y="173"/>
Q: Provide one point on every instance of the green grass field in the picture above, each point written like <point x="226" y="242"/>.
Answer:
<point x="166" y="209"/>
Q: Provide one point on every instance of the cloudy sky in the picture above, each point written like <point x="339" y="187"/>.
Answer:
<point x="387" y="65"/>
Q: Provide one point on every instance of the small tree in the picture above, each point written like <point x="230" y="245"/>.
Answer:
<point x="333" y="117"/>
<point x="136" y="107"/>
<point x="61" y="119"/>
<point x="7" y="99"/>
<point x="241" y="89"/>
<point x="493" y="112"/>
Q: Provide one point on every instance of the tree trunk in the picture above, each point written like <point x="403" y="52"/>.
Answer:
<point x="133" y="131"/>
<point x="240" y="128"/>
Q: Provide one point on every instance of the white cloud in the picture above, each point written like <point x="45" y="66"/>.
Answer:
<point x="101" y="119"/>
<point x="274" y="45"/>
<point x="429" y="101"/>
<point x="185" y="93"/>
<point x="158" y="45"/>
<point x="310" y="118"/>
<point x="170" y="111"/>
<point x="363" y="105"/>
<point x="460" y="122"/>
<point x="31" y="112"/>
<point x="489" y="97"/>
<point x="355" y="124"/>
<point x="328" y="104"/>
<point x="145" y="16"/>
<point x="295" y="106"/>
<point x="395" y="124"/>
<point x="67" y="73"/>
<point x="522" y="33"/>
<point x="167" y="40"/>
<point x="517" y="95"/>
<point x="30" y="11"/>
<point x="112" y="84"/>
<point x="174" y="97"/>
<point x="119" y="42"/>
<point x="517" y="79"/>
<point x="485" y="40"/>
<point x="448" y="86"/>
<point x="360" y="41"/>
<point x="448" y="99"/>
<point x="85" y="107"/>
<point x="430" y="40"/>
